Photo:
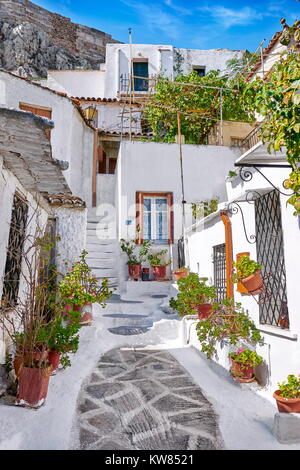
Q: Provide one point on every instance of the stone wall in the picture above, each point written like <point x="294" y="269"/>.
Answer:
<point x="87" y="42"/>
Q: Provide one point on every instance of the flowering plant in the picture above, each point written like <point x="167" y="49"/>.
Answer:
<point x="246" y="358"/>
<point x="79" y="286"/>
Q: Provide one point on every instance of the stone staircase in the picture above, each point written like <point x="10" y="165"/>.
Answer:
<point x="102" y="255"/>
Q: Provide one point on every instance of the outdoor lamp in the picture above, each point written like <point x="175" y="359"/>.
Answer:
<point x="91" y="112"/>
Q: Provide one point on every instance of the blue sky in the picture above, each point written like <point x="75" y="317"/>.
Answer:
<point x="194" y="24"/>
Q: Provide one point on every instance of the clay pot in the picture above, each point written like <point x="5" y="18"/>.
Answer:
<point x="240" y="372"/>
<point x="28" y="357"/>
<point x="54" y="359"/>
<point x="287" y="405"/>
<point x="204" y="311"/>
<point x="254" y="283"/>
<point x="178" y="274"/>
<point x="87" y="316"/>
<point x="33" y="386"/>
<point x="159" y="273"/>
<point x="134" y="270"/>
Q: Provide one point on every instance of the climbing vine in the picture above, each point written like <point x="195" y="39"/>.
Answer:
<point x="277" y="99"/>
<point x="199" y="106"/>
<point x="204" y="208"/>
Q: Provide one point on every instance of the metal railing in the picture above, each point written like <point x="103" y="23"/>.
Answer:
<point x="252" y="139"/>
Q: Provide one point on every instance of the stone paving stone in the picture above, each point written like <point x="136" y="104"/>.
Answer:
<point x="105" y="422"/>
<point x="148" y="402"/>
<point x="149" y="389"/>
<point x="104" y="389"/>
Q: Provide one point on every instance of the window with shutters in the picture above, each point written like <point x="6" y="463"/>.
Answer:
<point x="155" y="217"/>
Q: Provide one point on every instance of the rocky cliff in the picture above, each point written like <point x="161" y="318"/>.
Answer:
<point x="34" y="40"/>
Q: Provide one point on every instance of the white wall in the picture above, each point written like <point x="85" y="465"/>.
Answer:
<point x="71" y="139"/>
<point x="212" y="59"/>
<point x="281" y="350"/>
<point x="81" y="83"/>
<point x="155" y="167"/>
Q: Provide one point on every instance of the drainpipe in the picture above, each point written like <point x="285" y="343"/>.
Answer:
<point x="229" y="253"/>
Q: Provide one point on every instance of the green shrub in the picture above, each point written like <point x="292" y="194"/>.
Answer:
<point x="192" y="292"/>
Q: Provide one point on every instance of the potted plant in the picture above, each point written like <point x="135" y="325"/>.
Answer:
<point x="159" y="264"/>
<point x="79" y="288"/>
<point x="136" y="255"/>
<point x="194" y="296"/>
<point x="247" y="271"/>
<point x="288" y="395"/>
<point x="180" y="272"/>
<point x="226" y="321"/>
<point x="63" y="339"/>
<point x="243" y="362"/>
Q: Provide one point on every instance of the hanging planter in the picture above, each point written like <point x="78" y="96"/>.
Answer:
<point x="247" y="272"/>
<point x="33" y="386"/>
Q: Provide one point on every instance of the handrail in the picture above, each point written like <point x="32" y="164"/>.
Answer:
<point x="252" y="138"/>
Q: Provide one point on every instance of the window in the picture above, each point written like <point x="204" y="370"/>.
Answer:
<point x="38" y="111"/>
<point x="155" y="217"/>
<point x="16" y="240"/>
<point x="219" y="260"/>
<point x="200" y="70"/>
<point x="140" y="69"/>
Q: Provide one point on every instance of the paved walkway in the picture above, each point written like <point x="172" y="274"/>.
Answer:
<point x="143" y="399"/>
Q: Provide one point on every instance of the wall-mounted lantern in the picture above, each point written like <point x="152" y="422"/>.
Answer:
<point x="91" y="113"/>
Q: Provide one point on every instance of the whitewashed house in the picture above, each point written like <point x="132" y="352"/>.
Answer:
<point x="255" y="219"/>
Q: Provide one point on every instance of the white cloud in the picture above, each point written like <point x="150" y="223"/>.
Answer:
<point x="228" y="17"/>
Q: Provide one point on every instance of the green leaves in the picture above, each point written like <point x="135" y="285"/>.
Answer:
<point x="192" y="292"/>
<point x="290" y="388"/>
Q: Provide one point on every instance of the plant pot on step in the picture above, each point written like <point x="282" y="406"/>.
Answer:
<point x="180" y="273"/>
<point x="87" y="316"/>
<point x="159" y="273"/>
<point x="254" y="283"/>
<point x="287" y="405"/>
<point x="145" y="274"/>
<point x="54" y="359"/>
<point x="33" y="386"/>
<point x="242" y="373"/>
<point x="204" y="311"/>
<point x="134" y="271"/>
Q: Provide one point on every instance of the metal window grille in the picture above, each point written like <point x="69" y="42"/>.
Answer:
<point x="16" y="239"/>
<point x="219" y="261"/>
<point x="273" y="308"/>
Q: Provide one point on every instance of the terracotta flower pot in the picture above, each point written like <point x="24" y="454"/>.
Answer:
<point x="134" y="270"/>
<point x="159" y="273"/>
<point x="22" y="356"/>
<point x="240" y="372"/>
<point x="33" y="386"/>
<point x="178" y="274"/>
<point x="204" y="311"/>
<point x="54" y="359"/>
<point x="87" y="316"/>
<point x="287" y="405"/>
<point x="254" y="283"/>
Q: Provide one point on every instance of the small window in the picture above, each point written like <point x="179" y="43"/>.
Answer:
<point x="200" y="70"/>
<point x="140" y="70"/>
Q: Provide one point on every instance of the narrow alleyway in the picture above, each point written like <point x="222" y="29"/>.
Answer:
<point x="132" y="384"/>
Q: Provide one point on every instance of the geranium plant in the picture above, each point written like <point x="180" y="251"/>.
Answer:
<point x="192" y="292"/>
<point x="158" y="258"/>
<point x="244" y="267"/>
<point x="227" y="321"/>
<point x="290" y="388"/>
<point x="137" y="254"/>
<point x="246" y="358"/>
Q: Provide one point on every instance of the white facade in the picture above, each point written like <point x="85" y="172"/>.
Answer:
<point x="112" y="79"/>
<point x="71" y="139"/>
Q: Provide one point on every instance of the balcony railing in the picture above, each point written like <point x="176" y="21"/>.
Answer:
<point x="252" y="139"/>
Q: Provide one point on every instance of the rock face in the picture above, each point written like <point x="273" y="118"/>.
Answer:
<point x="34" y="40"/>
